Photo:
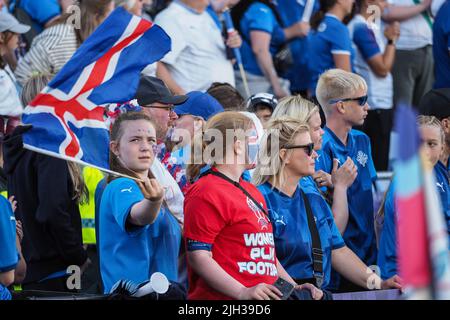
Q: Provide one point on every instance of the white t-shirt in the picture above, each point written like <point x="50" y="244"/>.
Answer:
<point x="173" y="197"/>
<point x="198" y="56"/>
<point x="368" y="42"/>
<point x="10" y="104"/>
<point x="415" y="32"/>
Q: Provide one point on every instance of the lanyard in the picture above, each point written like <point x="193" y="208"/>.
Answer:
<point x="237" y="185"/>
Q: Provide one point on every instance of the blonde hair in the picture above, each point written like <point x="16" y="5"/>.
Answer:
<point x="270" y="165"/>
<point x="337" y="84"/>
<point x="431" y="121"/>
<point x="295" y="107"/>
<point x="228" y="120"/>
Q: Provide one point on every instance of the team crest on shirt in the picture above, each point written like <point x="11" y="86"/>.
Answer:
<point x="322" y="27"/>
<point x="362" y="158"/>
<point x="262" y="219"/>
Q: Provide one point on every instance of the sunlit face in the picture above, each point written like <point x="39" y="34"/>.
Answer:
<point x="432" y="143"/>
<point x="9" y="41"/>
<point x="135" y="147"/>
<point x="163" y="116"/>
<point x="315" y="130"/>
<point x="355" y="113"/>
<point x="298" y="162"/>
<point x="184" y="128"/>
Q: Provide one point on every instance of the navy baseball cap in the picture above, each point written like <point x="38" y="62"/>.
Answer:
<point x="199" y="104"/>
<point x="152" y="89"/>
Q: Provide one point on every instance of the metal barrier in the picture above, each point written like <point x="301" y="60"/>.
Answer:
<point x="393" y="294"/>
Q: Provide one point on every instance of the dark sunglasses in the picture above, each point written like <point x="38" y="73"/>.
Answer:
<point x="307" y="147"/>
<point x="361" y="100"/>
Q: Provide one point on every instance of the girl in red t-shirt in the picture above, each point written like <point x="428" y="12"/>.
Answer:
<point x="230" y="244"/>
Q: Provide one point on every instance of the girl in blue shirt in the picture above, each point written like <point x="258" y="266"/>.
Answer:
<point x="291" y="161"/>
<point x="433" y="143"/>
<point x="129" y="206"/>
<point x="329" y="42"/>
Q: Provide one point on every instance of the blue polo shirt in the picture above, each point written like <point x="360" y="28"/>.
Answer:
<point x="40" y="11"/>
<point x="387" y="250"/>
<point x="359" y="234"/>
<point x="331" y="37"/>
<point x="441" y="47"/>
<point x="291" y="12"/>
<point x="259" y="17"/>
<point x="291" y="232"/>
<point x="8" y="251"/>
<point x="443" y="187"/>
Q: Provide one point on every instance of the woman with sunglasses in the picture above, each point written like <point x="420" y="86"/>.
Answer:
<point x="307" y="240"/>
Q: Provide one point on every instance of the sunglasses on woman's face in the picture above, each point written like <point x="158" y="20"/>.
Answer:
<point x="361" y="100"/>
<point x="307" y="147"/>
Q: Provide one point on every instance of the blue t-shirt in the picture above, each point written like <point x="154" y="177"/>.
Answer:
<point x="124" y="255"/>
<point x="291" y="12"/>
<point x="40" y="11"/>
<point x="259" y="17"/>
<point x="387" y="250"/>
<point x="291" y="232"/>
<point x="359" y="234"/>
<point x="148" y="249"/>
<point x="441" y="47"/>
<point x="331" y="37"/>
<point x="8" y="251"/>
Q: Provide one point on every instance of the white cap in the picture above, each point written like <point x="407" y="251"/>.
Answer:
<point x="9" y="23"/>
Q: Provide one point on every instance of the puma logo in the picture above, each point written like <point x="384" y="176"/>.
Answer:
<point x="126" y="190"/>
<point x="440" y="185"/>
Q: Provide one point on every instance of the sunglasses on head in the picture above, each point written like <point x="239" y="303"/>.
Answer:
<point x="307" y="147"/>
<point x="361" y="100"/>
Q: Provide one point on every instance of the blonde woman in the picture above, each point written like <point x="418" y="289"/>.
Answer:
<point x="307" y="240"/>
<point x="340" y="178"/>
<point x="230" y="247"/>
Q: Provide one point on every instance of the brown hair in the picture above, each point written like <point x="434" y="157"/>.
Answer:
<point x="116" y="134"/>
<point x="221" y="122"/>
<point x="227" y="95"/>
<point x="91" y="13"/>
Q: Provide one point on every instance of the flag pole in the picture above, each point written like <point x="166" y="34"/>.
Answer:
<point x="237" y="54"/>
<point x="78" y="161"/>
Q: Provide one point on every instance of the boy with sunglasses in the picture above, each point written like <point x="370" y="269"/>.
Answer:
<point x="343" y="97"/>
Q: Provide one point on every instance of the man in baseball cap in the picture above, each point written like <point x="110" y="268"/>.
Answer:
<point x="192" y="116"/>
<point x="436" y="102"/>
<point x="158" y="102"/>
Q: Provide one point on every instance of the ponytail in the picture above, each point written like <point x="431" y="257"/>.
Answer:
<point x="325" y="6"/>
